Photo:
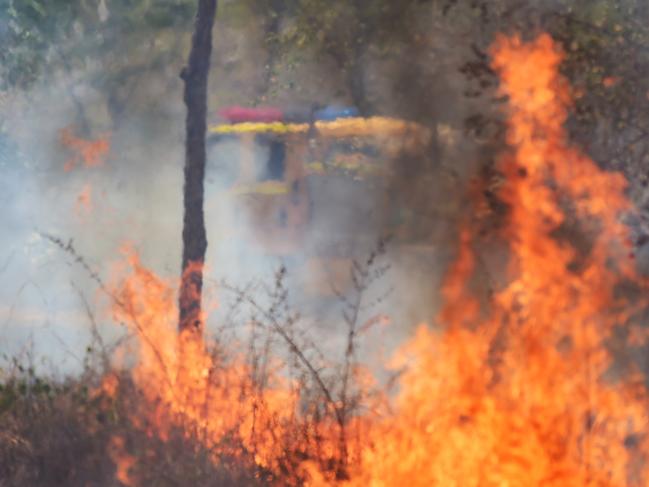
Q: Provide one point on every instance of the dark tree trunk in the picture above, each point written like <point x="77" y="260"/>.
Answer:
<point x="195" y="76"/>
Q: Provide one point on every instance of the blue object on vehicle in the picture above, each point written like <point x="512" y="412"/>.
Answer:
<point x="333" y="112"/>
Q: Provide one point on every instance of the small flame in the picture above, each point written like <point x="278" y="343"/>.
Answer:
<point x="610" y="81"/>
<point x="87" y="153"/>
<point x="122" y="460"/>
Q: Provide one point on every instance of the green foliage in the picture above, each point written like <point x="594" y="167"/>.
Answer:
<point x="41" y="36"/>
<point x="340" y="31"/>
<point x="25" y="384"/>
<point x="606" y="62"/>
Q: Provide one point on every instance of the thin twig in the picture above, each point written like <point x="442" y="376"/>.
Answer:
<point x="69" y="248"/>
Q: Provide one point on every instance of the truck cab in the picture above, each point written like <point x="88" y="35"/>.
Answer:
<point x="314" y="186"/>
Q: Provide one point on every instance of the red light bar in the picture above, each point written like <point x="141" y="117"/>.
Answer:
<point x="237" y="114"/>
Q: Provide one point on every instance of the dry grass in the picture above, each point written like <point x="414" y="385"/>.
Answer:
<point x="72" y="432"/>
<point x="62" y="434"/>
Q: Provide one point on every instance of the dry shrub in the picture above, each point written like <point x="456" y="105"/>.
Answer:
<point x="61" y="433"/>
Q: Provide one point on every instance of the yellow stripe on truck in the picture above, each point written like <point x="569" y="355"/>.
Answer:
<point x="265" y="188"/>
<point x="343" y="127"/>
<point x="275" y="127"/>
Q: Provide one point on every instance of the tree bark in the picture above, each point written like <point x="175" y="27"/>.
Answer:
<point x="195" y="75"/>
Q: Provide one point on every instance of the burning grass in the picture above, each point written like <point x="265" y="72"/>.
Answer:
<point x="524" y="391"/>
<point x="85" y="153"/>
<point x="71" y="433"/>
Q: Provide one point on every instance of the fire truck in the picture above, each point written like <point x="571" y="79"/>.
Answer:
<point x="311" y="183"/>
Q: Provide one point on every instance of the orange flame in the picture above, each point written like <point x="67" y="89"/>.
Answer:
<point x="89" y="153"/>
<point x="519" y="394"/>
<point x="185" y="386"/>
<point x="190" y="297"/>
<point x="521" y="399"/>
<point x="123" y="461"/>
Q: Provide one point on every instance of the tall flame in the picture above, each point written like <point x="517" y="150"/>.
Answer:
<point x="521" y="399"/>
